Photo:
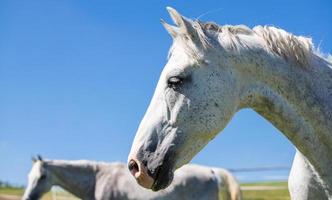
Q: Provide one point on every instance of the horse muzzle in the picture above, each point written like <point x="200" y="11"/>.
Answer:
<point x="155" y="179"/>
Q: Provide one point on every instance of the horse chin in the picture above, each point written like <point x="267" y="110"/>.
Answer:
<point x="163" y="179"/>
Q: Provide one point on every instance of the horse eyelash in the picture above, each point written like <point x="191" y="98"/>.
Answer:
<point x="173" y="84"/>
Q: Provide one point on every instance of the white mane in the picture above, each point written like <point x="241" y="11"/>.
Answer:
<point x="295" y="49"/>
<point x="329" y="58"/>
<point x="290" y="47"/>
<point x="86" y="164"/>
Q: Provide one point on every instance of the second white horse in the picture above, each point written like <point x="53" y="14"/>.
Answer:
<point x="90" y="180"/>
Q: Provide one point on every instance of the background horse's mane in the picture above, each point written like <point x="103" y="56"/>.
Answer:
<point x="296" y="49"/>
<point x="78" y="163"/>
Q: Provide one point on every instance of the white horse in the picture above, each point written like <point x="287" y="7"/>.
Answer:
<point x="103" y="181"/>
<point x="212" y="72"/>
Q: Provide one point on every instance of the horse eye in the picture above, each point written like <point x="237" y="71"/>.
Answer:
<point x="42" y="177"/>
<point x="174" y="82"/>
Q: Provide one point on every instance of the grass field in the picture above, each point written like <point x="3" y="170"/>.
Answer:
<point x="11" y="191"/>
<point x="277" y="194"/>
<point x="277" y="191"/>
<point x="5" y="193"/>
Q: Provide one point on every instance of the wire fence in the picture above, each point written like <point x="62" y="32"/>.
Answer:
<point x="257" y="169"/>
<point x="262" y="174"/>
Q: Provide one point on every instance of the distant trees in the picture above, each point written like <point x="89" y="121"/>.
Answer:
<point x="6" y="184"/>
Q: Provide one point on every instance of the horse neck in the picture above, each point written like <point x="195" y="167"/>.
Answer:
<point x="74" y="176"/>
<point x="296" y="99"/>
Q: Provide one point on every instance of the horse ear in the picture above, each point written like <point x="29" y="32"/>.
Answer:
<point x="172" y="30"/>
<point x="183" y="24"/>
<point x="39" y="158"/>
<point x="33" y="159"/>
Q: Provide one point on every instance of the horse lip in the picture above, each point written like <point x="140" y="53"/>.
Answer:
<point x="158" y="183"/>
<point x="155" y="186"/>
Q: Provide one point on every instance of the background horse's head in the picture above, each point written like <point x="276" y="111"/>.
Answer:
<point x="195" y="98"/>
<point x="39" y="180"/>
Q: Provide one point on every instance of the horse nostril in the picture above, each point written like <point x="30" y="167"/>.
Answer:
<point x="140" y="173"/>
<point x="133" y="167"/>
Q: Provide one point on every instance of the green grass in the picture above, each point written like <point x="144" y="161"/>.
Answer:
<point x="19" y="192"/>
<point x="11" y="191"/>
<point x="282" y="194"/>
<point x="247" y="195"/>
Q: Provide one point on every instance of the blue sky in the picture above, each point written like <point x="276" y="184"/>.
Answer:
<point x="77" y="76"/>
